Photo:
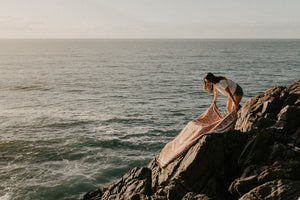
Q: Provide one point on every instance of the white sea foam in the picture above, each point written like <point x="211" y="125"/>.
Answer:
<point x="5" y="197"/>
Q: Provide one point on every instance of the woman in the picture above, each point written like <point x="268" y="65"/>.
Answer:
<point x="227" y="87"/>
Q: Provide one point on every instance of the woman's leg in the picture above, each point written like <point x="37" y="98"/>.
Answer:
<point x="238" y="99"/>
<point x="229" y="105"/>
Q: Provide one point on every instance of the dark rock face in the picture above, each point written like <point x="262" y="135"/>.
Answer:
<point x="207" y="168"/>
<point x="277" y="189"/>
<point x="269" y="164"/>
<point x="259" y="160"/>
<point x="277" y="107"/>
<point x="136" y="184"/>
<point x="194" y="196"/>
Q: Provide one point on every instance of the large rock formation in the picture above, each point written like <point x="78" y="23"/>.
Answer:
<point x="258" y="160"/>
<point x="270" y="162"/>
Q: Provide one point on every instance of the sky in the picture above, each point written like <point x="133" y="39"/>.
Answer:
<point x="149" y="18"/>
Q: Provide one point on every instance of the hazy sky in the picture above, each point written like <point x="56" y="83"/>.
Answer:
<point x="149" y="18"/>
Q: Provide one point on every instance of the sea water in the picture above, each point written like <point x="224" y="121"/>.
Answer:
<point x="78" y="114"/>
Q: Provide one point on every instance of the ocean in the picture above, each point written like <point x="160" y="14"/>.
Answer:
<point x="78" y="114"/>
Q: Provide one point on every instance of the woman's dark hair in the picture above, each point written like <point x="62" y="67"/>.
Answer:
<point x="212" y="78"/>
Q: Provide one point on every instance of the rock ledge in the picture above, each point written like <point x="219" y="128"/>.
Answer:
<point x="258" y="160"/>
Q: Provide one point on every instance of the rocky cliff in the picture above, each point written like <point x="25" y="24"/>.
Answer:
<point x="260" y="159"/>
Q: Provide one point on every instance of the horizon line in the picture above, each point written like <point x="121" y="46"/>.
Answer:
<point x="147" y="38"/>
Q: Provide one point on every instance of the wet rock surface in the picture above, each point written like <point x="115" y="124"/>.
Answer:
<point x="258" y="160"/>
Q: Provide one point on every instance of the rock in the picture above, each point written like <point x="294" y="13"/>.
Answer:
<point x="92" y="195"/>
<point x="241" y="186"/>
<point x="289" y="169"/>
<point x="195" y="196"/>
<point x="266" y="109"/>
<point x="258" y="160"/>
<point x="208" y="167"/>
<point x="277" y="189"/>
<point x="296" y="138"/>
<point x="136" y="184"/>
<point x="288" y="118"/>
<point x="273" y="153"/>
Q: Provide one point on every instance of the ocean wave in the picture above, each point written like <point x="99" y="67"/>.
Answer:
<point x="200" y="56"/>
<point x="163" y="133"/>
<point x="124" y="143"/>
<point x="31" y="88"/>
<point x="229" y="52"/>
<point x="65" y="124"/>
<point x="6" y="196"/>
<point x="122" y="120"/>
